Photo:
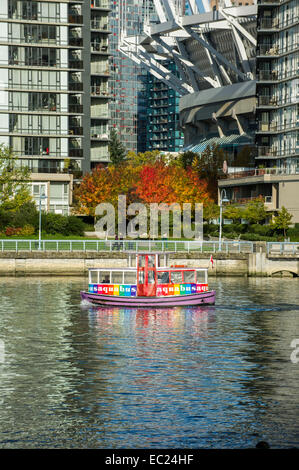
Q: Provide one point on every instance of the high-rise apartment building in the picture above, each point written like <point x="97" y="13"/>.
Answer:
<point x="125" y="19"/>
<point x="163" y="126"/>
<point x="54" y="90"/>
<point x="134" y="91"/>
<point x="276" y="176"/>
<point x="277" y="84"/>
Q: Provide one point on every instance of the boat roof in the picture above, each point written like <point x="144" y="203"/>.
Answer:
<point x="161" y="268"/>
<point x="144" y="252"/>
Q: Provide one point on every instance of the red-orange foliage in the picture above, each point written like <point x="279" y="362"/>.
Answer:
<point x="156" y="182"/>
<point x="161" y="183"/>
<point x="103" y="184"/>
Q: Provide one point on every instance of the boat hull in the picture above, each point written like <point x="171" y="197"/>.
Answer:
<point x="203" y="298"/>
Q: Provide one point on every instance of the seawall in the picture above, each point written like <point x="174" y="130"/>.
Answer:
<point x="77" y="263"/>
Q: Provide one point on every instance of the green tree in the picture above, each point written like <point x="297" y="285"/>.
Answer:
<point x="255" y="211"/>
<point x="187" y="158"/>
<point x="210" y="211"/>
<point x="14" y="188"/>
<point x="147" y="158"/>
<point x="245" y="157"/>
<point x="233" y="212"/>
<point x="117" y="151"/>
<point x="282" y="220"/>
<point x="209" y="166"/>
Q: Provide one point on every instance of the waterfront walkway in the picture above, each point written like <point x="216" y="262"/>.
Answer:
<point x="176" y="246"/>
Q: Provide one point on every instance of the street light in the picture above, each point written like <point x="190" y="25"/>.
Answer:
<point x="223" y="198"/>
<point x="42" y="196"/>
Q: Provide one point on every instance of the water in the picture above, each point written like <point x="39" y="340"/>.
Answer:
<point x="210" y="377"/>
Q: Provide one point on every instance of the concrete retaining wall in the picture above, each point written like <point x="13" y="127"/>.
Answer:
<point x="77" y="263"/>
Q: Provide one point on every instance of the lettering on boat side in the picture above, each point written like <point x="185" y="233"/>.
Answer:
<point x="162" y="289"/>
<point x="113" y="289"/>
<point x="181" y="289"/>
<point x="295" y="353"/>
<point x="138" y="226"/>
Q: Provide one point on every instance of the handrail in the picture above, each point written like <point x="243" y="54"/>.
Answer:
<point x="124" y="245"/>
<point x="283" y="248"/>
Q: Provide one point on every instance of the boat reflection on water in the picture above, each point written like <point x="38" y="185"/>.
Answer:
<point x="192" y="319"/>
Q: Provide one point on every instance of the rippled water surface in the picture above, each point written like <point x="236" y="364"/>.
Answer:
<point x="210" y="377"/>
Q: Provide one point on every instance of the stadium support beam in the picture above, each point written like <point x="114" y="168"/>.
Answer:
<point x="160" y="11"/>
<point x="215" y="53"/>
<point x="234" y="22"/>
<point x="193" y="7"/>
<point x="177" y="56"/>
<point x="189" y="71"/>
<point x="157" y="70"/>
<point x="139" y="55"/>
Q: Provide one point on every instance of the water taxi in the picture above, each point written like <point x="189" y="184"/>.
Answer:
<point x="148" y="281"/>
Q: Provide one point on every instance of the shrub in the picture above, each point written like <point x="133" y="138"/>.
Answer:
<point x="54" y="223"/>
<point x="264" y="230"/>
<point x="27" y="230"/>
<point x="210" y="228"/>
<point x="5" y="218"/>
<point x="75" y="226"/>
<point x="256" y="238"/>
<point x="26" y="214"/>
<point x="12" y="231"/>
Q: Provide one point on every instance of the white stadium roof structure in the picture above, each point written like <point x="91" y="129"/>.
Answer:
<point x="212" y="49"/>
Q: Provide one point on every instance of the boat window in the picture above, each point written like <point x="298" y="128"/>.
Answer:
<point x="176" y="277"/>
<point x="200" y="277"/>
<point x="141" y="261"/>
<point x="130" y="278"/>
<point x="141" y="277"/>
<point x="93" y="277"/>
<point x="151" y="261"/>
<point x="117" y="277"/>
<point x="163" y="277"/>
<point x="151" y="277"/>
<point x="104" y="277"/>
<point x="189" y="277"/>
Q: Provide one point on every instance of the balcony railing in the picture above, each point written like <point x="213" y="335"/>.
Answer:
<point x="262" y="172"/>
<point x="99" y="91"/>
<point x="267" y="151"/>
<point x="75" y="86"/>
<point x="99" y="25"/>
<point x="275" y="50"/>
<point x="76" y="41"/>
<point x="266" y="2"/>
<point x="76" y="130"/>
<point x="76" y="108"/>
<point x="76" y="152"/>
<point x="99" y="135"/>
<point x="275" y="75"/>
<point x="267" y="100"/>
<point x="99" y="4"/>
<point x="99" y="47"/>
<point x="276" y="127"/>
<point x="76" y="64"/>
<point x="268" y="23"/>
<point x="75" y="18"/>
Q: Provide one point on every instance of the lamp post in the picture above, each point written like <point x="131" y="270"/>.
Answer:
<point x="223" y="198"/>
<point x="42" y="196"/>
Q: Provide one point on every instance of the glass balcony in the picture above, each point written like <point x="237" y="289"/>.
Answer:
<point x="75" y="86"/>
<point x="267" y="100"/>
<point x="100" y="4"/>
<point x="99" y="24"/>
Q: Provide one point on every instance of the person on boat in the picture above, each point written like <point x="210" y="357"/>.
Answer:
<point x="115" y="244"/>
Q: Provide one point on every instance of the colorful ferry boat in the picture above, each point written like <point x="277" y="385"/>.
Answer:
<point x="148" y="281"/>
